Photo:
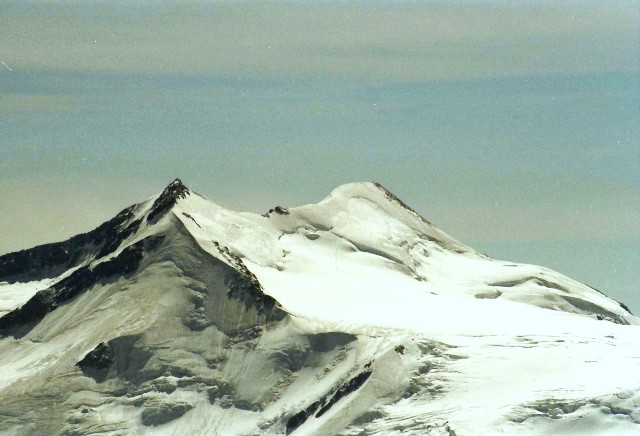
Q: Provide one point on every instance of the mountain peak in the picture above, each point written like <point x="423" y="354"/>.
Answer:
<point x="376" y="193"/>
<point x="350" y="315"/>
<point x="176" y="188"/>
<point x="367" y="189"/>
<point x="168" y="198"/>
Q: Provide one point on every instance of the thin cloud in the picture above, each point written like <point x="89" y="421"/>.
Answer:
<point x="380" y="42"/>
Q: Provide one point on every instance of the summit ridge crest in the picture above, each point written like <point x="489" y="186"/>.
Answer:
<point x="168" y="198"/>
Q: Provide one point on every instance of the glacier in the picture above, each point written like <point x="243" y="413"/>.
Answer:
<point x="353" y="316"/>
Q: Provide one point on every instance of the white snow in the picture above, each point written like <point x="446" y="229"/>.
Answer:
<point x="454" y="341"/>
<point x="14" y="295"/>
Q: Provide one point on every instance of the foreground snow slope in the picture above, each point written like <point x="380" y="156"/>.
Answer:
<point x="350" y="316"/>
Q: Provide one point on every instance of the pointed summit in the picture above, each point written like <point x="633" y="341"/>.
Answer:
<point x="176" y="188"/>
<point x="167" y="199"/>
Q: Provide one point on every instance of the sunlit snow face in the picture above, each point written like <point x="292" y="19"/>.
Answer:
<point x="515" y="128"/>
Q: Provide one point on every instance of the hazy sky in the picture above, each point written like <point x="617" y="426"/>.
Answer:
<point x="513" y="126"/>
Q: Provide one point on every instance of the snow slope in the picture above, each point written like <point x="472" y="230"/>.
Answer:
<point x="352" y="316"/>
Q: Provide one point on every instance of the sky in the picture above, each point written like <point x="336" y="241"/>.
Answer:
<point x="514" y="127"/>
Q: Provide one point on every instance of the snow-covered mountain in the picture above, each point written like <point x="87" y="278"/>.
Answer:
<point x="353" y="316"/>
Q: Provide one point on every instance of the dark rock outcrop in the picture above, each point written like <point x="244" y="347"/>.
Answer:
<point x="392" y="198"/>
<point x="248" y="290"/>
<point x="97" y="362"/>
<point x="50" y="260"/>
<point x="625" y="307"/>
<point x="322" y="406"/>
<point x="351" y="386"/>
<point x="167" y="199"/>
<point x="244" y="286"/>
<point x="122" y="357"/>
<point x="280" y="210"/>
<point x="20" y="321"/>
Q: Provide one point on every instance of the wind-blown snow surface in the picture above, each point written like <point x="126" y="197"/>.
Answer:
<point x="353" y="316"/>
